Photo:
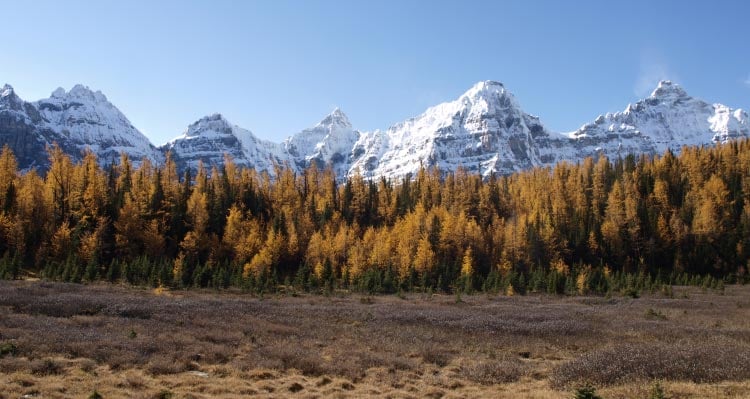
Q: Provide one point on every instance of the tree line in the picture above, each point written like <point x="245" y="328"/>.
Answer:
<point x="596" y="226"/>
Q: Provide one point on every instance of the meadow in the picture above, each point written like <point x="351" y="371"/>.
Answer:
<point x="60" y="340"/>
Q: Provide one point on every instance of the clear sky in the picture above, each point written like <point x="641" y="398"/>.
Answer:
<point x="276" y="67"/>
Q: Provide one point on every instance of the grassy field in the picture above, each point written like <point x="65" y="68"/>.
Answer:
<point x="67" y="341"/>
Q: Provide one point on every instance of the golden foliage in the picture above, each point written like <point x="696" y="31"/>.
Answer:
<point x="687" y="212"/>
<point x="467" y="263"/>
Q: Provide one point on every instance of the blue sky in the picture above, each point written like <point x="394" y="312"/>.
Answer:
<point x="276" y="67"/>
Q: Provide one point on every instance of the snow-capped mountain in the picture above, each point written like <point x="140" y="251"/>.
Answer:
<point x="10" y="102"/>
<point x="484" y="130"/>
<point x="20" y="129"/>
<point x="329" y="142"/>
<point x="210" y="138"/>
<point x="86" y="119"/>
<point x="75" y="120"/>
<point x="668" y="119"/>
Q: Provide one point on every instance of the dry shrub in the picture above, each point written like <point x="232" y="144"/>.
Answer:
<point x="222" y="337"/>
<point x="494" y="372"/>
<point x="539" y="324"/>
<point x="369" y="360"/>
<point x="696" y="362"/>
<point x="162" y="365"/>
<point x="58" y="307"/>
<point x="50" y="299"/>
<point x="246" y="363"/>
<point x="294" y="357"/>
<point x="133" y="312"/>
<point x="114" y="358"/>
<point x="46" y="367"/>
<point x="8" y="348"/>
<point x="9" y="365"/>
<point x="132" y="381"/>
<point x="87" y="365"/>
<point x="295" y="387"/>
<point x="437" y="357"/>
<point x="164" y="394"/>
<point x="207" y="353"/>
<point x="222" y="371"/>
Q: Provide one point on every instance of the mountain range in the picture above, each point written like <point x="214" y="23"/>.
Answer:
<point x="485" y="130"/>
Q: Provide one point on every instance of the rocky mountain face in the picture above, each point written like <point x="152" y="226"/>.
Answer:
<point x="330" y="142"/>
<point x="84" y="119"/>
<point x="76" y="120"/>
<point x="668" y="119"/>
<point x="210" y="138"/>
<point x="21" y="129"/>
<point x="485" y="130"/>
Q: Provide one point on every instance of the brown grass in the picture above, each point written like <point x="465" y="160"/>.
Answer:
<point x="65" y="341"/>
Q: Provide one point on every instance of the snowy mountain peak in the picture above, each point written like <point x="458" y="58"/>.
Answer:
<point x="216" y="116"/>
<point x="82" y="118"/>
<point x="486" y="97"/>
<point x="9" y="99"/>
<point x="6" y="91"/>
<point x="484" y="130"/>
<point x="336" y="118"/>
<point x="485" y="89"/>
<point x="208" y="122"/>
<point x="668" y="119"/>
<point x="214" y="126"/>
<point x="667" y="90"/>
<point x="82" y="92"/>
<point x="487" y="85"/>
<point x="59" y="93"/>
<point x="78" y="94"/>
<point x="208" y="139"/>
<point x="329" y="142"/>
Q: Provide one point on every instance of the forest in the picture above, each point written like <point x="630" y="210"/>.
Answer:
<point x="599" y="226"/>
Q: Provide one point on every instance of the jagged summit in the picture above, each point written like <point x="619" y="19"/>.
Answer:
<point x="6" y="91"/>
<point x="485" y="86"/>
<point x="216" y="116"/>
<point x="211" y="137"/>
<point x="77" y="120"/>
<point x="667" y="89"/>
<point x="59" y="92"/>
<point x="668" y="119"/>
<point x="488" y="90"/>
<point x="483" y="130"/>
<point x="79" y="91"/>
<point x="329" y="142"/>
<point x="211" y="125"/>
<point x="486" y="97"/>
<point x="208" y="123"/>
<point x="336" y="117"/>
<point x="9" y="99"/>
<point x="82" y="118"/>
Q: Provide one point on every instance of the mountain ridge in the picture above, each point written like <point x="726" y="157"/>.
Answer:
<point x="76" y="120"/>
<point x="485" y="130"/>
